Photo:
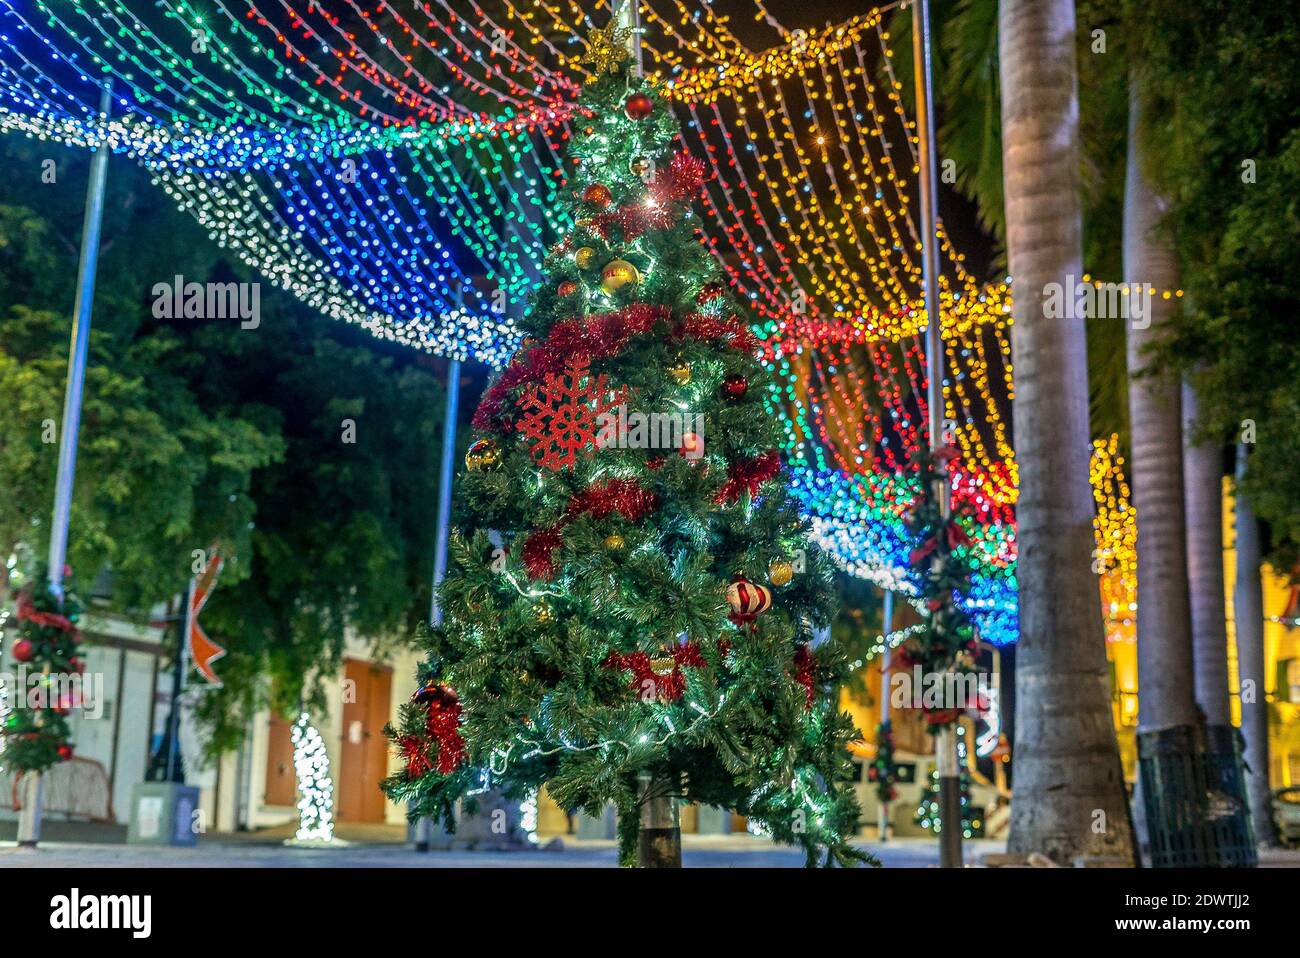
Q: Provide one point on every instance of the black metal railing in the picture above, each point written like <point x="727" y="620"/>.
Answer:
<point x="1194" y="790"/>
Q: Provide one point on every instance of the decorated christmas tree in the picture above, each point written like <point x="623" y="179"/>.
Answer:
<point x="36" y="733"/>
<point x="632" y="599"/>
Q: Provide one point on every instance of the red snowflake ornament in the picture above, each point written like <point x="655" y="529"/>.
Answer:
<point x="560" y="415"/>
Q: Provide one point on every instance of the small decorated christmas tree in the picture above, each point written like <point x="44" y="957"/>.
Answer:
<point x="632" y="600"/>
<point x="36" y="731"/>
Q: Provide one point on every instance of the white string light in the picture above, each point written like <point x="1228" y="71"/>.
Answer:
<point x="316" y="788"/>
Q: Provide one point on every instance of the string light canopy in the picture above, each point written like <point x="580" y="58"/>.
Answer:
<point x="398" y="165"/>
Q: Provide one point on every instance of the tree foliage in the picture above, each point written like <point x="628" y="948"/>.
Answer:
<point x="197" y="432"/>
<point x="1229" y="98"/>
<point x="587" y="642"/>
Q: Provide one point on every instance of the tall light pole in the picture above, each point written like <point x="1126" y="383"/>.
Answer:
<point x="445" y="477"/>
<point x="446" y="474"/>
<point x="945" y="743"/>
<point x="29" y="820"/>
<point x="886" y="627"/>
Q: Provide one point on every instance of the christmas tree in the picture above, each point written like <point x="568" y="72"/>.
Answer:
<point x="36" y="733"/>
<point x="632" y="596"/>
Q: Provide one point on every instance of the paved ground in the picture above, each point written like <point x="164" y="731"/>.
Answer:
<point x="734" y="851"/>
<point x="87" y="845"/>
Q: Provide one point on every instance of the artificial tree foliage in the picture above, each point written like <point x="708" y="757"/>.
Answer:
<point x="588" y="640"/>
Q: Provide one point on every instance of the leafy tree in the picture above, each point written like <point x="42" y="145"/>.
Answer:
<point x="1230" y="167"/>
<point x="343" y="538"/>
<point x="198" y="431"/>
<point x="157" y="474"/>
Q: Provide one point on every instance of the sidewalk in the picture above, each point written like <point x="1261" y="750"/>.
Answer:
<point x="225" y="851"/>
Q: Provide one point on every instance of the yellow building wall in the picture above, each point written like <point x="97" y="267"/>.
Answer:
<point x="1280" y="644"/>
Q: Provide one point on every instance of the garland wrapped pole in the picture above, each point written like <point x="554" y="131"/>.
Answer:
<point x="29" y="820"/>
<point x="946" y="740"/>
<point x="884" y="764"/>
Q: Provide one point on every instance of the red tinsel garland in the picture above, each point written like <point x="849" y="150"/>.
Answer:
<point x="668" y="688"/>
<point x="624" y="496"/>
<point x="730" y="330"/>
<point x="598" y="336"/>
<point x="27" y="612"/>
<point x="415" y="753"/>
<point x="803" y="673"/>
<point x="681" y="180"/>
<point x="747" y="475"/>
<point x="442" y="725"/>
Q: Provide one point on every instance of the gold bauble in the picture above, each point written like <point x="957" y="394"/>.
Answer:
<point x="614" y="542"/>
<point x="640" y="166"/>
<point x="483" y="454"/>
<point x="680" y="371"/>
<point x="544" y="612"/>
<point x="617" y="274"/>
<point x="663" y="666"/>
<point x="780" y="573"/>
<point x="583" y="256"/>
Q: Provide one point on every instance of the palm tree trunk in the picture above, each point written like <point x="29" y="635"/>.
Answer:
<point x="1248" y="619"/>
<point x="1068" y="785"/>
<point x="1164" y="637"/>
<point x="1203" y="484"/>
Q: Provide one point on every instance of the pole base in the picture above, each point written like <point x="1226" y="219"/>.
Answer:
<point x="659" y="848"/>
<point x="659" y="841"/>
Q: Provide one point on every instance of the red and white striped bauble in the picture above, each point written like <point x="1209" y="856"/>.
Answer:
<point x="747" y="599"/>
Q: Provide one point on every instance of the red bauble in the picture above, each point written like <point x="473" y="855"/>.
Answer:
<point x="747" y="600"/>
<point x="65" y="752"/>
<point x="734" y="386"/>
<point x="638" y="106"/>
<point x="567" y="288"/>
<point x="692" y="446"/>
<point x="23" y="650"/>
<point x="598" y="195"/>
<point x="77" y="665"/>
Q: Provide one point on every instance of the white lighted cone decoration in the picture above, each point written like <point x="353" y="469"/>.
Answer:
<point x="315" y="787"/>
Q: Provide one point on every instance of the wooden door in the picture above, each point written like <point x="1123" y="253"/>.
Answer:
<point x="281" y="780"/>
<point x="363" y="758"/>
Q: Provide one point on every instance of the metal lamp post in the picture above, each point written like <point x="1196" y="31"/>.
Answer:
<point x="945" y="742"/>
<point x="29" y="821"/>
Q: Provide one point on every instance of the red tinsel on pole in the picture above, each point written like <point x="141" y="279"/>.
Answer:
<point x="27" y="612"/>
